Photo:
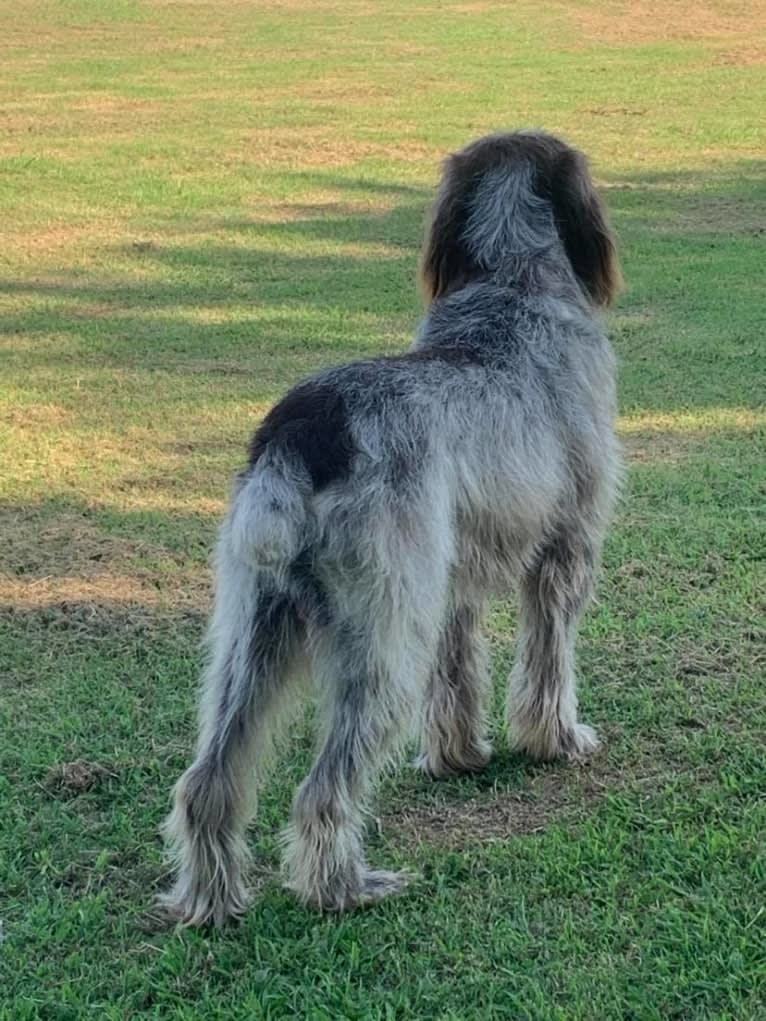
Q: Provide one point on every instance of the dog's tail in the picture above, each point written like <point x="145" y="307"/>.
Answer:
<point x="268" y="521"/>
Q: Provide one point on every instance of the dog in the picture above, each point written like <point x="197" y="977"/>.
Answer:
<point x="383" y="503"/>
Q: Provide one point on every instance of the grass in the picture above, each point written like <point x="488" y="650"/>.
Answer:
<point x="202" y="202"/>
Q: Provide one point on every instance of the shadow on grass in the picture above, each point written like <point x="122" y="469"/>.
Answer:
<point x="333" y="282"/>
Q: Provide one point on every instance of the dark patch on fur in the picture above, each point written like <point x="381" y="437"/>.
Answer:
<point x="271" y="630"/>
<point x="309" y="594"/>
<point x="447" y="264"/>
<point x="401" y="471"/>
<point x="312" y="424"/>
<point x="561" y="177"/>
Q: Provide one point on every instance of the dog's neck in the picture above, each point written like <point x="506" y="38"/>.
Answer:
<point x="544" y="271"/>
<point x="513" y="240"/>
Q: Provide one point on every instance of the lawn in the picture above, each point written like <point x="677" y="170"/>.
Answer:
<point x="201" y="202"/>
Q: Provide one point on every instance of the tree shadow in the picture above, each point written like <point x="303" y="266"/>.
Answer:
<point x="331" y="283"/>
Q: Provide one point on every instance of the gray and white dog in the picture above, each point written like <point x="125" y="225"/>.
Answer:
<point x="384" y="502"/>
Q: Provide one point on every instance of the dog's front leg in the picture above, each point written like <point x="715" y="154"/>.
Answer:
<point x="542" y="702"/>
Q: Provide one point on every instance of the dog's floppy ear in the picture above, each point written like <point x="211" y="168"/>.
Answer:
<point x="446" y="262"/>
<point x="583" y="226"/>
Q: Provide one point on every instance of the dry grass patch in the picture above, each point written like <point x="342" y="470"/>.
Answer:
<point x="87" y="121"/>
<point x="36" y="416"/>
<point x="68" y="561"/>
<point x="315" y="147"/>
<point x="562" y="793"/>
<point x="37" y="547"/>
<point x="480" y="820"/>
<point x="136" y="469"/>
<point x="637" y="22"/>
<point x="111" y="589"/>
<point x="746" y="54"/>
<point x="58" y="236"/>
<point x="706" y="420"/>
<point x="668" y="437"/>
<point x="69" y="779"/>
<point x="359" y="9"/>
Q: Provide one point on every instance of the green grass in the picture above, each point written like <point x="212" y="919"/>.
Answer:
<point x="202" y="202"/>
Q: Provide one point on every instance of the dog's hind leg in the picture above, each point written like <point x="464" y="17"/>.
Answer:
<point x="371" y="664"/>
<point x="364" y="719"/>
<point x="542" y="702"/>
<point x="454" y="733"/>
<point x="255" y="634"/>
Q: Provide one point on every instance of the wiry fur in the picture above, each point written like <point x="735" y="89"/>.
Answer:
<point x="385" y="501"/>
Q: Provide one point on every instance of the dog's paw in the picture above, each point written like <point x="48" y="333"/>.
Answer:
<point x="348" y="892"/>
<point x="192" y="905"/>
<point x="579" y="743"/>
<point x="440" y="765"/>
<point x="576" y="742"/>
<point x="379" y="883"/>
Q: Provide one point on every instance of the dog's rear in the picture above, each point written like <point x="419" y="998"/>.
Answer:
<point x="385" y="500"/>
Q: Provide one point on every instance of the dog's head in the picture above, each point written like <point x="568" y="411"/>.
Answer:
<point x="503" y="195"/>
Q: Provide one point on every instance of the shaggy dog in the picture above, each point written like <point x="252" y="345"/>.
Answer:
<point x="384" y="502"/>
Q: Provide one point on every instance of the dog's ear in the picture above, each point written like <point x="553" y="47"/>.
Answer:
<point x="583" y="226"/>
<point x="446" y="262"/>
